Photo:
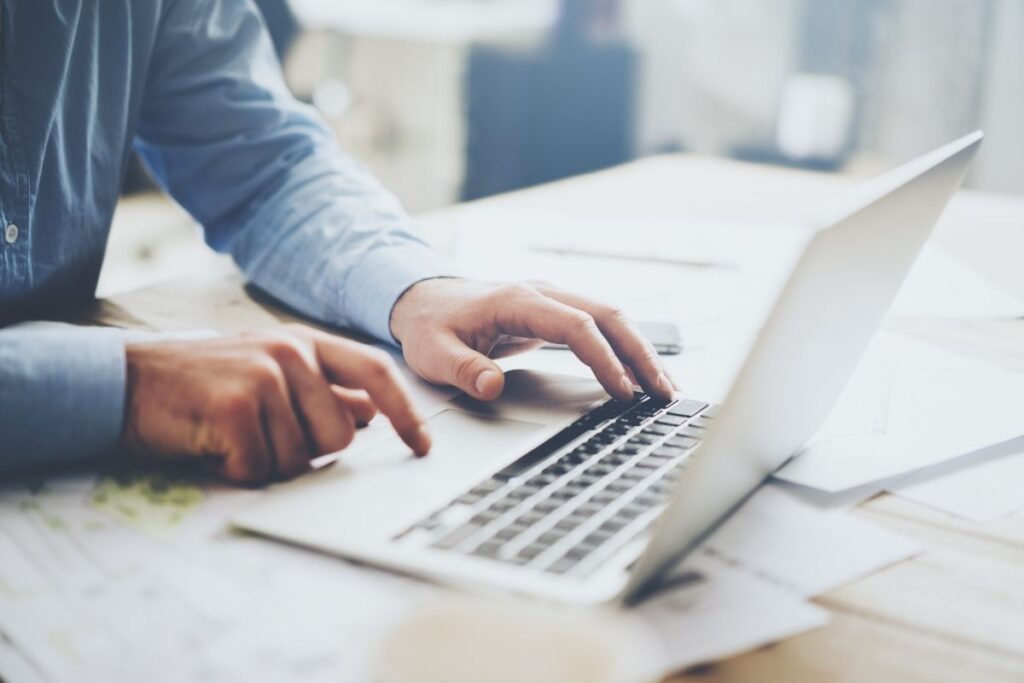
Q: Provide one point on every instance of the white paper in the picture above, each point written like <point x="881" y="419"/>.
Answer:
<point x="942" y="286"/>
<point x="789" y="543"/>
<point x="990" y="488"/>
<point x="909" y="405"/>
<point x="102" y="582"/>
<point x="723" y="613"/>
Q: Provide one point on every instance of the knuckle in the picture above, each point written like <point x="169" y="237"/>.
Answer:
<point x="614" y="315"/>
<point x="236" y="407"/>
<point x="583" y="323"/>
<point x="285" y="348"/>
<point x="463" y="367"/>
<point x="539" y="283"/>
<point x="264" y="374"/>
<point x="378" y="363"/>
<point x="514" y="290"/>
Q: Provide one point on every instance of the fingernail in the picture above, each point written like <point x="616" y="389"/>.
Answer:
<point x="483" y="380"/>
<point x="664" y="384"/>
<point x="627" y="386"/>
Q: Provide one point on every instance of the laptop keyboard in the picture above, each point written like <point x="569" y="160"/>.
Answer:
<point x="580" y="496"/>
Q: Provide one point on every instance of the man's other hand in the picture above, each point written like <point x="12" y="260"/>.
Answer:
<point x="261" y="406"/>
<point x="450" y="329"/>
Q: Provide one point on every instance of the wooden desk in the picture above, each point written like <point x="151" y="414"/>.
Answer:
<point x="955" y="613"/>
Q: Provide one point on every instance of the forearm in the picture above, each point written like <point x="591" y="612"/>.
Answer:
<point x="61" y="393"/>
<point x="264" y="176"/>
<point x="335" y="245"/>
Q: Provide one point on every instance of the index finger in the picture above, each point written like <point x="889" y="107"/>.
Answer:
<point x="537" y="316"/>
<point x="358" y="366"/>
<point x="629" y="344"/>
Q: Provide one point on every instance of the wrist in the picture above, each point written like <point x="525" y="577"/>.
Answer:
<point x="414" y="300"/>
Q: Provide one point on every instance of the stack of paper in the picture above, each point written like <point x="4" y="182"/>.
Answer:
<point x="908" y="406"/>
<point x="127" y="574"/>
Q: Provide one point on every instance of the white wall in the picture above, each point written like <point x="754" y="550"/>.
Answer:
<point x="712" y="69"/>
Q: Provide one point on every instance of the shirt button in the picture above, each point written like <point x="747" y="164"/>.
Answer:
<point x="11" y="233"/>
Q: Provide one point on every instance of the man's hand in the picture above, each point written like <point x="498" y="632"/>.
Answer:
<point x="450" y="329"/>
<point x="262" y="406"/>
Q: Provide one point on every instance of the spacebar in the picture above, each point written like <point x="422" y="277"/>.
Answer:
<point x="542" y="451"/>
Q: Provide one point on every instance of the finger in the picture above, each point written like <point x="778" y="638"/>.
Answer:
<point x="290" y="449"/>
<point x="627" y="341"/>
<point x="358" y="366"/>
<point x="535" y="315"/>
<point x="357" y="402"/>
<point x="329" y="426"/>
<point x="450" y="361"/>
<point x="243" y="445"/>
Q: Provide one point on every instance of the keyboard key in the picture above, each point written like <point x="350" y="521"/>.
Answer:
<point x="635" y="474"/>
<point x="686" y="408"/>
<point x="590" y="508"/>
<point x="562" y="565"/>
<point x="658" y="429"/>
<point x="531" y="551"/>
<point x="682" y="441"/>
<point x="568" y="524"/>
<point x="605" y="496"/>
<point x="642" y="440"/>
<point x="547" y="505"/>
<point x="700" y="422"/>
<point x="486" y="488"/>
<point x="454" y="538"/>
<point x="507" y="534"/>
<point x="627" y="449"/>
<point x="693" y="432"/>
<point x="488" y="549"/>
<point x="620" y="485"/>
<point x="549" y="538"/>
<point x="671" y="420"/>
<point x="484" y="517"/>
<point x="530" y="517"/>
<point x="666" y="452"/>
<point x="503" y="505"/>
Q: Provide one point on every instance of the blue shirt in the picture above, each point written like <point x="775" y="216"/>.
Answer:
<point x="194" y="86"/>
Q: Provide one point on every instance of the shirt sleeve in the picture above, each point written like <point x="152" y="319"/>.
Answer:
<point x="264" y="176"/>
<point x="51" y="372"/>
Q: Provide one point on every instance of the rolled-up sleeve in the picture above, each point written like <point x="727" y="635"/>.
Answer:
<point x="61" y="393"/>
<point x="263" y="175"/>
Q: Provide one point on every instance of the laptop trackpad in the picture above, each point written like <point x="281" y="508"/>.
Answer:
<point x="384" y="487"/>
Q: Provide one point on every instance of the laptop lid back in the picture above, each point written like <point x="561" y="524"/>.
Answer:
<point x="806" y="351"/>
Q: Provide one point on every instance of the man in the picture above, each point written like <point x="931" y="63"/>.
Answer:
<point x="194" y="85"/>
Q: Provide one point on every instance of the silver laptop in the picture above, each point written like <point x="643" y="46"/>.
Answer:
<point x="558" y="492"/>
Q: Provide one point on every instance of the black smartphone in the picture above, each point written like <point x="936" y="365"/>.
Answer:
<point x="663" y="336"/>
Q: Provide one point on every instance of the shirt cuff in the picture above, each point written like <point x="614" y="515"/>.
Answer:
<point x="370" y="290"/>
<point x="65" y="397"/>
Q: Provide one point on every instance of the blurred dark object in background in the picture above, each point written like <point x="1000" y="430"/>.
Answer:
<point x="561" y="110"/>
<point x="283" y="28"/>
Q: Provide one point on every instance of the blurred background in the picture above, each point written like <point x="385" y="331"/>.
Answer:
<point x="447" y="100"/>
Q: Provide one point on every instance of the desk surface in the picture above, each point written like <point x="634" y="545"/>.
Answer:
<point x="954" y="613"/>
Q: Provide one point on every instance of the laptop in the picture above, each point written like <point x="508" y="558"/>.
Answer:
<point x="557" y="492"/>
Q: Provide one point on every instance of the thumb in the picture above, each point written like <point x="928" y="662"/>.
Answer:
<point x="470" y="371"/>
